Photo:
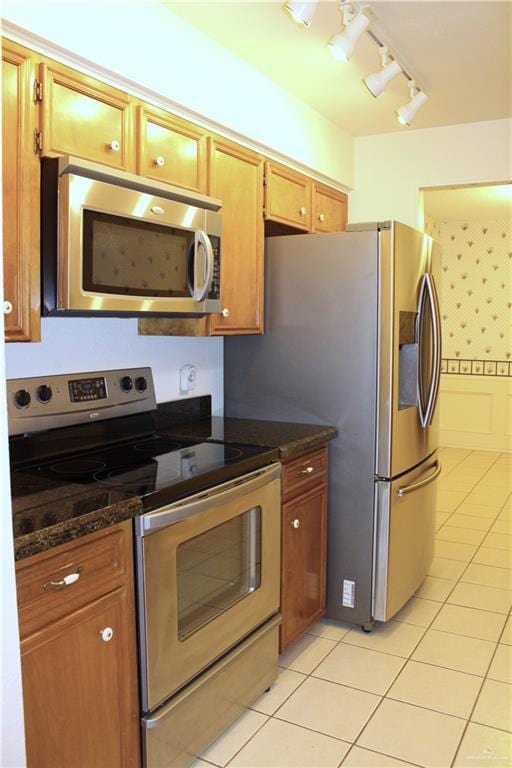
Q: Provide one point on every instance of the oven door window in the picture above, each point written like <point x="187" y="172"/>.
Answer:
<point x="217" y="569"/>
<point x="135" y="258"/>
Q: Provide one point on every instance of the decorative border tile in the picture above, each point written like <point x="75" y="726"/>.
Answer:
<point x="477" y="367"/>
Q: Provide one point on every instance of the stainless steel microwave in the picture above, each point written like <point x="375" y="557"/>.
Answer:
<point x="114" y="243"/>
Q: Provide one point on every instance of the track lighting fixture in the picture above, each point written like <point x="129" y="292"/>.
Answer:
<point x="343" y="45"/>
<point x="301" y="13"/>
<point x="407" y="112"/>
<point x="378" y="81"/>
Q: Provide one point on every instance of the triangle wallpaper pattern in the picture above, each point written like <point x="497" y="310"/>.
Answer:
<point x="475" y="296"/>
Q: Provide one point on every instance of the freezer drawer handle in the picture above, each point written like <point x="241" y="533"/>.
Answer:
<point x="422" y="483"/>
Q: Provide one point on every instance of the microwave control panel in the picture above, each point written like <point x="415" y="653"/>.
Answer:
<point x="215" y="288"/>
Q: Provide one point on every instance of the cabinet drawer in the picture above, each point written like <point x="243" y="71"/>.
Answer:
<point x="93" y="566"/>
<point x="304" y="471"/>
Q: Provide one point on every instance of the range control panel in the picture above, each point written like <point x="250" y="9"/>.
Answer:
<point x="47" y="402"/>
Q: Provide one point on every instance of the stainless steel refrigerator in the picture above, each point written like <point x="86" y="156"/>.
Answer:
<point x="352" y="339"/>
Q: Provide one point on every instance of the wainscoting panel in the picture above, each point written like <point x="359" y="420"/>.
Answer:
<point x="476" y="412"/>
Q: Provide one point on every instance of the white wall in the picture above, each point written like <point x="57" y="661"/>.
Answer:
<point x="152" y="47"/>
<point x="391" y="168"/>
<point x="87" y="344"/>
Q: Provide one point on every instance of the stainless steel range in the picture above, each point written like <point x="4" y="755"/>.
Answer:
<point x="207" y="544"/>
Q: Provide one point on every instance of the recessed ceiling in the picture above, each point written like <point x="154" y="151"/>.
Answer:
<point x="459" y="52"/>
<point x="491" y="203"/>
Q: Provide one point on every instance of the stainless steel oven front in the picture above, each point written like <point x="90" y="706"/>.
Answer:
<point x="208" y="575"/>
<point x="116" y="243"/>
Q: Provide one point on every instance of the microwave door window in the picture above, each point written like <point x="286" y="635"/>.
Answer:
<point x="129" y="257"/>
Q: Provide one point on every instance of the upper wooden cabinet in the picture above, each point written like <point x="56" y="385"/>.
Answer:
<point x="287" y="197"/>
<point x="170" y="150"/>
<point x="329" y="209"/>
<point x="236" y="177"/>
<point x="20" y="179"/>
<point x="84" y="117"/>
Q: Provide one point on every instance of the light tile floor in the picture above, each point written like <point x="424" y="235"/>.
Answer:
<point x="433" y="686"/>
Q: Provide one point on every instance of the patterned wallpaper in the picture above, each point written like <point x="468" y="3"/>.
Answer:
<point x="476" y="295"/>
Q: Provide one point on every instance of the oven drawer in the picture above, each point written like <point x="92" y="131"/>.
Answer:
<point x="171" y="735"/>
<point x="53" y="584"/>
<point x="304" y="471"/>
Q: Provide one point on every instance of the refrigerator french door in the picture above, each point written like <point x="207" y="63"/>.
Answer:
<point x="352" y="339"/>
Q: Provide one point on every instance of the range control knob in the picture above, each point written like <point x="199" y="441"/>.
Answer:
<point x="22" y="398"/>
<point x="127" y="383"/>
<point x="44" y="393"/>
<point x="141" y="384"/>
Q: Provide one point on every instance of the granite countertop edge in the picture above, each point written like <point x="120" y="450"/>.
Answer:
<point x="61" y="533"/>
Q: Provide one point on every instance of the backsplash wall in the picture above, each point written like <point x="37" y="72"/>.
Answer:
<point x="476" y="295"/>
<point x="74" y="345"/>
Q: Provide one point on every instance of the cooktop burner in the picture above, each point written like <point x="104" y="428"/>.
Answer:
<point x="77" y="466"/>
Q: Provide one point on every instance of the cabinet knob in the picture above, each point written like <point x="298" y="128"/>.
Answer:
<point x="225" y="312"/>
<point x="53" y="586"/>
<point x="303" y="211"/>
<point x="107" y="634"/>
<point x="306" y="471"/>
<point x="321" y="217"/>
<point x="160" y="161"/>
<point x="296" y="523"/>
<point x="7" y="307"/>
<point x="114" y="146"/>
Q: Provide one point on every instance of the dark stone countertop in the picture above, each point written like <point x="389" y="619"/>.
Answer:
<point x="291" y="439"/>
<point x="48" y="513"/>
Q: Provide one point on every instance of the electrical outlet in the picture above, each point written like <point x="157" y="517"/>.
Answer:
<point x="349" y="593"/>
<point x="188" y="375"/>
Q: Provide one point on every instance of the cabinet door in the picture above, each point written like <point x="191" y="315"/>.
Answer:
<point x="330" y="210"/>
<point x="287" y="197"/>
<point x="170" y="150"/>
<point x="303" y="563"/>
<point x="236" y="178"/>
<point x="20" y="199"/>
<point x="84" y="117"/>
<point x="79" y="688"/>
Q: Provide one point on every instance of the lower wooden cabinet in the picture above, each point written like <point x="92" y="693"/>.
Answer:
<point x="304" y="544"/>
<point x="78" y="655"/>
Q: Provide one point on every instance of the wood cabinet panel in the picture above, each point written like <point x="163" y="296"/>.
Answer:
<point x="20" y="183"/>
<point x="84" y="117"/>
<point x="303" y="562"/>
<point x="330" y="210"/>
<point x="170" y="150"/>
<point x="236" y="178"/>
<point x="79" y="693"/>
<point x="304" y="471"/>
<point x="79" y="683"/>
<point x="101" y="562"/>
<point x="287" y="197"/>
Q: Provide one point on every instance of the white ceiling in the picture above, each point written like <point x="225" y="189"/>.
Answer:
<point x="482" y="203"/>
<point x="459" y="52"/>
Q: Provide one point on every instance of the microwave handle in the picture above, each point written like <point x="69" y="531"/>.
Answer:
<point x="201" y="238"/>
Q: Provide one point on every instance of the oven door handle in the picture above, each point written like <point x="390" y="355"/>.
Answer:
<point x="202" y="502"/>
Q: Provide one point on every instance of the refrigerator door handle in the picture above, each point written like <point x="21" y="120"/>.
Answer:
<point x="428" y="291"/>
<point x="404" y="489"/>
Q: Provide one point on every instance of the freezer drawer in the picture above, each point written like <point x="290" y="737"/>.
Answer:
<point x="177" y="732"/>
<point x="404" y="536"/>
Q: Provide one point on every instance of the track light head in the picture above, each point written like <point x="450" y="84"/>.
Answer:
<point x="301" y="13"/>
<point x="407" y="112"/>
<point x="377" y="82"/>
<point x="343" y="44"/>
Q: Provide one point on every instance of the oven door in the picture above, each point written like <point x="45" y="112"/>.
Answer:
<point x="208" y="574"/>
<point x="125" y="251"/>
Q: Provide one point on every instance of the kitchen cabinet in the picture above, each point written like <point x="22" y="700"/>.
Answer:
<point x="20" y="200"/>
<point x="170" y="150"/>
<point x="84" y="117"/>
<point x="304" y="543"/>
<point x="329" y="209"/>
<point x="78" y="653"/>
<point x="235" y="176"/>
<point x="287" y="198"/>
